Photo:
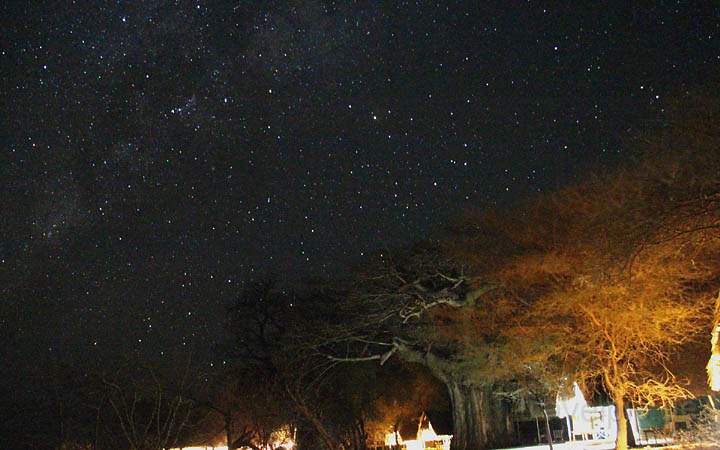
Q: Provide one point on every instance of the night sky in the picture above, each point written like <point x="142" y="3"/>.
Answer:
<point x="156" y="155"/>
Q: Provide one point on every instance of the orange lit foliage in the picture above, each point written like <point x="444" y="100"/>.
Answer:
<point x="600" y="279"/>
<point x="617" y="271"/>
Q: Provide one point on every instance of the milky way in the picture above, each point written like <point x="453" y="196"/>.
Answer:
<point x="157" y="155"/>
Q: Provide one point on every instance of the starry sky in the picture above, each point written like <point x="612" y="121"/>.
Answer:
<point x="156" y="154"/>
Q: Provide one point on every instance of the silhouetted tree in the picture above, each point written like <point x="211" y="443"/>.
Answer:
<point x="421" y="306"/>
<point x="145" y="408"/>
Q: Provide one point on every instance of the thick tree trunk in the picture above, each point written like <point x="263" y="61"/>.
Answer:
<point x="622" y="431"/>
<point x="480" y="420"/>
<point x="228" y="431"/>
<point x="548" y="432"/>
<point x="327" y="439"/>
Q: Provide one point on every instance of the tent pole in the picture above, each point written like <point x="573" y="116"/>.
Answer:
<point x="569" y="427"/>
<point x="547" y="428"/>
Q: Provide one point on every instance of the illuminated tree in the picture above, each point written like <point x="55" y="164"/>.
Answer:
<point x="621" y="335"/>
<point x="618" y="271"/>
<point x="521" y="293"/>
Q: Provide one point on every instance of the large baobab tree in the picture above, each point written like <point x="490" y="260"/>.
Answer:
<point x="421" y="306"/>
<point x="640" y="240"/>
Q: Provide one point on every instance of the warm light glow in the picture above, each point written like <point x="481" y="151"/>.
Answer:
<point x="287" y="443"/>
<point x="224" y="447"/>
<point x="280" y="438"/>
<point x="424" y="435"/>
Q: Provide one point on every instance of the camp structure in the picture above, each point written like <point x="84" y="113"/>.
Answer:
<point x="417" y="435"/>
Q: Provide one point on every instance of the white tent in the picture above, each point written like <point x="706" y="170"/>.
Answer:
<point x="573" y="407"/>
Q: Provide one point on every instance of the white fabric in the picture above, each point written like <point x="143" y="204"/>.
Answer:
<point x="570" y="406"/>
